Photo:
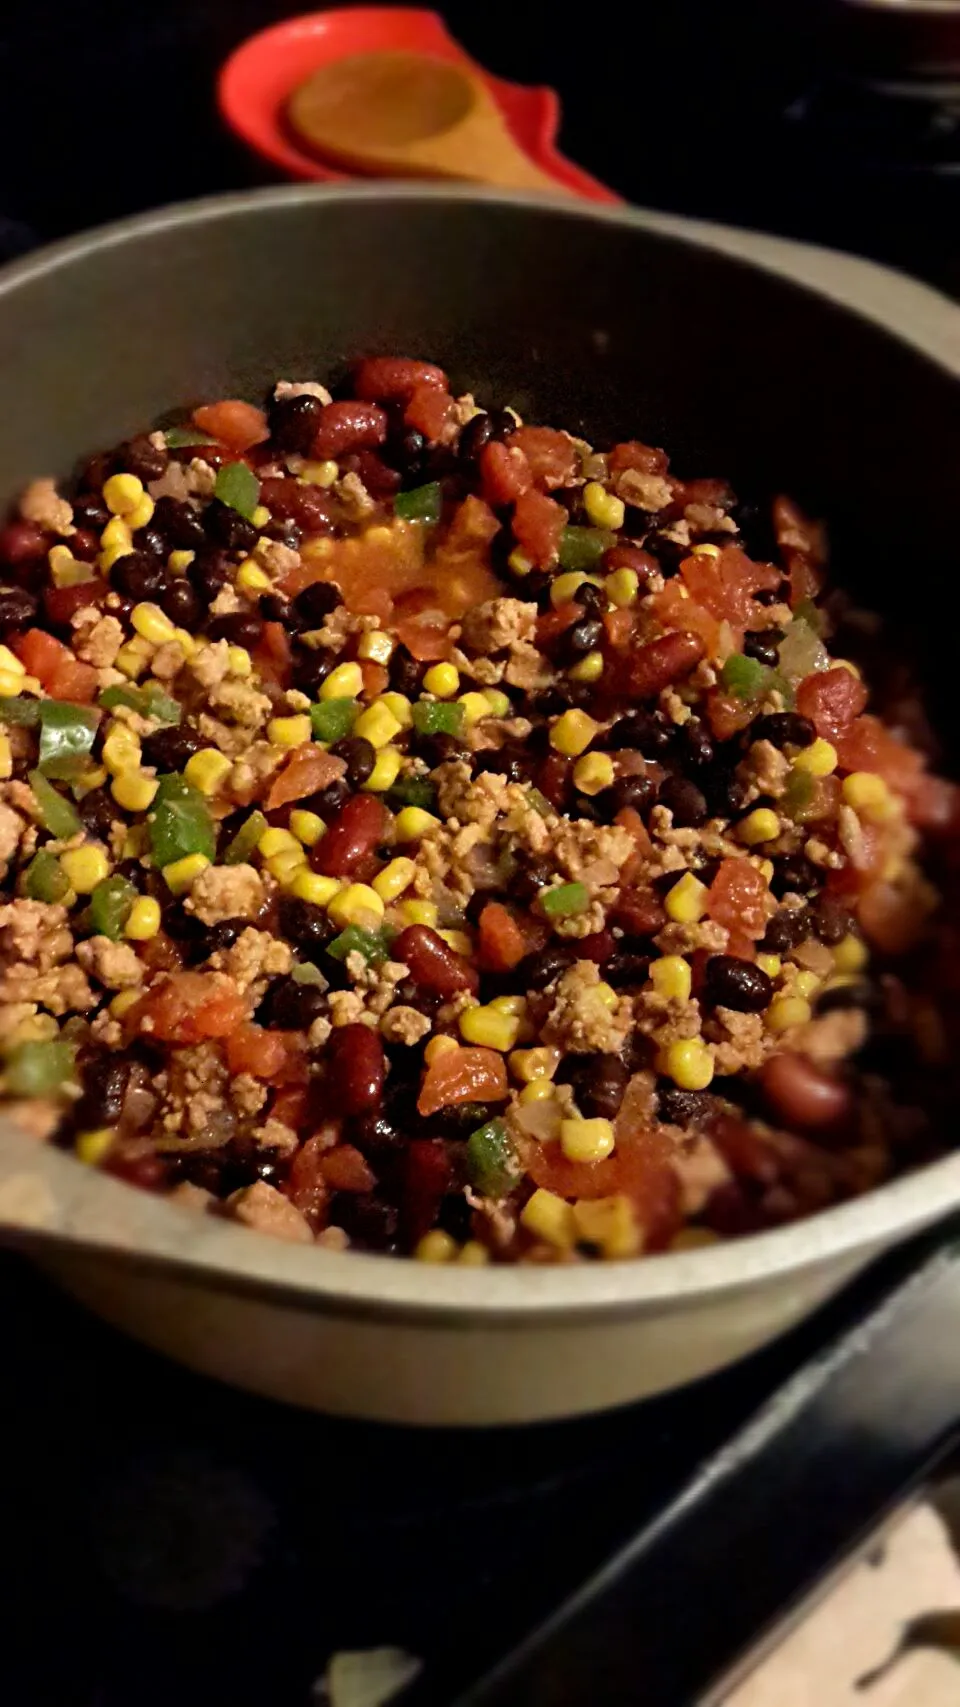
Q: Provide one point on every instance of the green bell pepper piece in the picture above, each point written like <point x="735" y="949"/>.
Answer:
<point x="148" y="702"/>
<point x="413" y="791"/>
<point x="371" y="944"/>
<point x="110" y="906"/>
<point x="180" y="822"/>
<point x="437" y="717"/>
<point x="245" y="841"/>
<point x="491" y="1159"/>
<point x="582" y="548"/>
<point x="179" y="437"/>
<point x="45" y="879"/>
<point x="39" y="1069"/>
<point x="332" y="719"/>
<point x="744" y="677"/>
<point x="237" y="486"/>
<point x="19" y="709"/>
<point x="66" y="737"/>
<point x="565" y="901"/>
<point x="56" y="814"/>
<point x="422" y="504"/>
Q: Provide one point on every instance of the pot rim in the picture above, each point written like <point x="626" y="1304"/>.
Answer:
<point x="46" y="1193"/>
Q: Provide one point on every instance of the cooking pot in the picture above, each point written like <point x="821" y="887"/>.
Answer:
<point x="780" y="366"/>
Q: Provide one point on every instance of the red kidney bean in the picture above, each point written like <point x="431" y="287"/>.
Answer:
<point x="349" y="426"/>
<point x="801" y="1093"/>
<point x="351" y="837"/>
<point x="632" y="557"/>
<point x="309" y="507"/>
<point x="356" y="1067"/>
<point x="22" y="542"/>
<point x="384" y="379"/>
<point x="84" y="544"/>
<point x="598" y="947"/>
<point x="433" y="963"/>
<point x="655" y="666"/>
<point x="639" y="912"/>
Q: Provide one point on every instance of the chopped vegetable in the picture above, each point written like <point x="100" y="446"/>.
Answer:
<point x="56" y="814"/>
<point x="802" y="651"/>
<point x="245" y="841"/>
<point x="582" y="548"/>
<point x="45" y="878"/>
<point x="110" y="906"/>
<point x="422" y="504"/>
<point x="238" y="487"/>
<point x="305" y="972"/>
<point x="373" y="945"/>
<point x="491" y="1159"/>
<point x="744" y="676"/>
<point x="150" y="702"/>
<point x="413" y="791"/>
<point x="39" y="1069"/>
<point x="66" y="736"/>
<point x="798" y="793"/>
<point x="178" y="438"/>
<point x="565" y="901"/>
<point x="437" y="717"/>
<point x="180" y="822"/>
<point x="19" y="710"/>
<point x="538" y="802"/>
<point x="334" y="718"/>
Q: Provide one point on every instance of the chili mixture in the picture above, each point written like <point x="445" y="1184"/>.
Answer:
<point x="423" y="832"/>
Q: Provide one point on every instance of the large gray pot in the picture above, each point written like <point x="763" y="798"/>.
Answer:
<point x="745" y="356"/>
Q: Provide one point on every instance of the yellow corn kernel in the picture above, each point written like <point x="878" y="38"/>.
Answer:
<point x="94" y="777"/>
<point x="261" y="516"/>
<point x="130" y="661"/>
<point x="549" y="1218"/>
<point x="412" y="823"/>
<point x="134" y="790"/>
<point x="143" y="919"/>
<point x="761" y="825"/>
<point x="376" y="646"/>
<point x="509" y="1004"/>
<point x="310" y="886"/>
<point x="10" y="661"/>
<point x="586" y="1140"/>
<point x="785" y="1012"/>
<point x="207" y="770"/>
<point x="308" y="827"/>
<point x="181" y="873"/>
<point x="289" y="731"/>
<point x="519" y="562"/>
<point x="344" y="682"/>
<point x="606" y="994"/>
<point x="572" y="733"/>
<point x="111" y="555"/>
<point x="442" y="680"/>
<point x="436" y="1246"/>
<point x="275" y="840"/>
<point x="399" y="707"/>
<point x="694" y="1239"/>
<point x="806" y="984"/>
<point x="686" y="902"/>
<point x="622" y="587"/>
<point x="537" y="1090"/>
<point x="609" y="1223"/>
<point x="459" y="941"/>
<point x="688" y="1062"/>
<point x="868" y="794"/>
<point x="284" y="866"/>
<point x="142" y="515"/>
<point x="179" y="562"/>
<point x="385" y="771"/>
<point x="771" y="964"/>
<point x="498" y="702"/>
<point x="488" y="1029"/>
<point x="239" y="661"/>
<point x="319" y="473"/>
<point x="593" y="773"/>
<point x="152" y="623"/>
<point x="116" y="532"/>
<point x="251" y="578"/>
<point x="122" y="493"/>
<point x="418" y="912"/>
<point x="473" y="1254"/>
<point x="11" y="684"/>
<point x="38" y="1028"/>
<point x="6" y="757"/>
<point x="537" y="1065"/>
<point x="438" y="1046"/>
<point x="377" y="724"/>
<point x="706" y="551"/>
<point x="91" y="1147"/>
<point x="671" y="977"/>
<point x="84" y="868"/>
<point x="394" y="879"/>
<point x="589" y="669"/>
<point x="850" y="955"/>
<point x="475" y="707"/>
<point x="123" y="1002"/>
<point x="604" y="508"/>
<point x="819" y="759"/>
<point x="847" y="664"/>
<point x="65" y="569"/>
<point x="355" y="905"/>
<point x="564" y="587"/>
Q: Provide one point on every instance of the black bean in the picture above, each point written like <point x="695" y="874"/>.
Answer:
<point x="370" y="1221"/>
<point x="439" y="749"/>
<point x="179" y="523"/>
<point x="375" y="1134"/>
<point x="90" y="511"/>
<point x="310" y="668"/>
<point x="506" y="761"/>
<point x="477" y="433"/>
<point x="406" y="673"/>
<point x="761" y="644"/>
<point x="147" y="461"/>
<point x="410" y="994"/>
<point x="648" y="731"/>
<point x="273" y="608"/>
<point x="359" y="756"/>
<point x="328" y="800"/>
<point x="724" y="792"/>
<point x="860" y="994"/>
<point x="831" y="920"/>
<point x="138" y="576"/>
<point x="755" y="523"/>
<point x="682" y="1108"/>
<point x="695" y="744"/>
<point x="315" y="603"/>
<point x="179" y="601"/>
<point x="667" y="552"/>
<point x="769" y="595"/>
<point x="787" y="928"/>
<point x="626" y="966"/>
<point x="18" y="608"/>
<point x="227" y="528"/>
<point x="98" y="813"/>
<point x="210" y="572"/>
<point x="406" y="450"/>
<point x="637" y="792"/>
<point x="783" y="729"/>
<point x="593" y="599"/>
<point x="169" y="749"/>
<point x="152" y="543"/>
<point x="293" y="422"/>
<point x="599" y="1086"/>
<point x="541" y="969"/>
<point x="733" y="983"/>
<point x="794" y="872"/>
<point x="239" y="628"/>
<point x="528" y="880"/>
<point x="291" y="1006"/>
<point x="685" y="800"/>
<point x="306" y="925"/>
<point x="579" y="639"/>
<point x="105" y="1081"/>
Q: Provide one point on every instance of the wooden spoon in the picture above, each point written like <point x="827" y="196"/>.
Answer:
<point x="408" y="115"/>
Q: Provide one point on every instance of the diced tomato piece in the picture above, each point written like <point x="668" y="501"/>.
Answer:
<point x="289" y="1106"/>
<point x="640" y="1168"/>
<point x="505" y="473"/>
<point x="234" y="422"/>
<point x="62" y="603"/>
<point x="189" y="1007"/>
<point x="831" y="700"/>
<point x="307" y="769"/>
<point x="866" y="745"/>
<point x="619" y="626"/>
<point x="675" y="610"/>
<point x="727" y="715"/>
<point x="934" y="805"/>
<point x="305" y="1185"/>
<point x="428" y="1177"/>
<point x="387" y="379"/>
<point x="632" y="453"/>
<point x="425" y="641"/>
<point x="375" y="678"/>
<point x="503" y="941"/>
<point x="629" y="819"/>
<point x="462" y="1075"/>
<point x="273" y="654"/>
<point x="472" y="525"/>
<point x="725" y="585"/>
<point x="805" y="580"/>
<point x="552" y="456"/>
<point x="740" y="898"/>
<point x="431" y="412"/>
<point x="75" y="681"/>
<point x="345" y="1169"/>
<point x="639" y="912"/>
<point x="276" y="1056"/>
<point x="40" y="654"/>
<point x="538" y="522"/>
<point x="555" y="622"/>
